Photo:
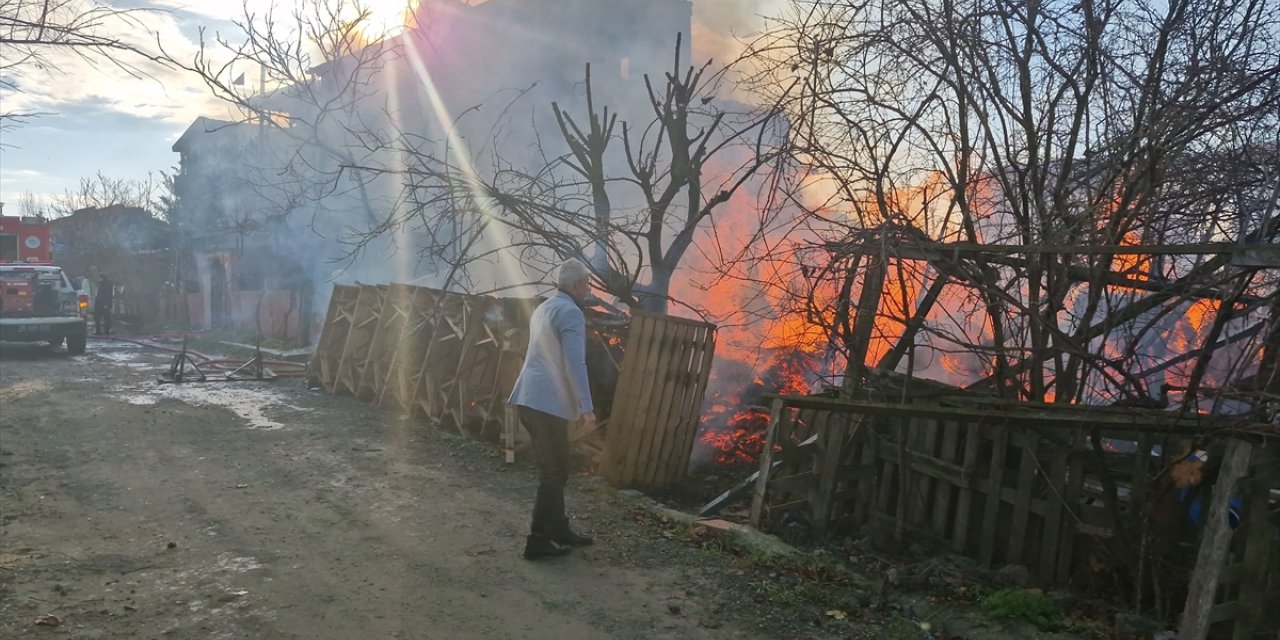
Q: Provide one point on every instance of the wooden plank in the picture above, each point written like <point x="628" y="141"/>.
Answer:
<point x="1057" y="484"/>
<point x="777" y="414"/>
<point x="675" y="379"/>
<point x="1214" y="543"/>
<point x="327" y="337"/>
<point x="927" y="437"/>
<point x="873" y="276"/>
<point x="1028" y="466"/>
<point x="973" y="250"/>
<point x="704" y="360"/>
<point x="832" y="434"/>
<point x="422" y="332"/>
<point x="1048" y="417"/>
<point x="944" y="490"/>
<point x="364" y="373"/>
<point x="351" y="347"/>
<point x="687" y="409"/>
<point x="1074" y="491"/>
<point x="964" y="499"/>
<point x="889" y="477"/>
<point x="623" y="401"/>
<point x="732" y="494"/>
<point x="365" y="331"/>
<point x="394" y="342"/>
<point x="913" y="489"/>
<point x="424" y="392"/>
<point x="671" y="392"/>
<point x="335" y="334"/>
<point x="640" y="347"/>
<point x="651" y="384"/>
<point x="509" y="422"/>
<point x="437" y="377"/>
<point x="470" y="331"/>
<point x="670" y="402"/>
<point x="932" y="467"/>
<point x="867" y="489"/>
<point x="642" y="341"/>
<point x="626" y="405"/>
<point x="1141" y="475"/>
<point x="991" y="512"/>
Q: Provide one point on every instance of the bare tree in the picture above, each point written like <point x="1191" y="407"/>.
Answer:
<point x="1063" y="132"/>
<point x="628" y="195"/>
<point x="30" y="205"/>
<point x="101" y="192"/>
<point x="34" y="32"/>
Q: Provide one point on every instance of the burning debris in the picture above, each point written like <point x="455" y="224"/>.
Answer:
<point x="735" y="416"/>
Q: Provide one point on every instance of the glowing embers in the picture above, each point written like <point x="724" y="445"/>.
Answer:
<point x="733" y="427"/>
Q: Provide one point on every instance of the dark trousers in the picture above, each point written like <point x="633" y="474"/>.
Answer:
<point x="102" y="321"/>
<point x="550" y="437"/>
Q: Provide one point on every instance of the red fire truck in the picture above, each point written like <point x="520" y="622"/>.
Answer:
<point x="24" y="239"/>
<point x="38" y="303"/>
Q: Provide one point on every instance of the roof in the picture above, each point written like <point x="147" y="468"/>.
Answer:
<point x="200" y="126"/>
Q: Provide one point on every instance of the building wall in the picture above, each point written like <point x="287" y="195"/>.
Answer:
<point x="462" y="57"/>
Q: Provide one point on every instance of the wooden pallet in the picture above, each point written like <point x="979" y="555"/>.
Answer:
<point x="1026" y="488"/>
<point x="658" y="401"/>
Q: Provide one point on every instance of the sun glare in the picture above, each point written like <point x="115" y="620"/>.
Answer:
<point x="385" y="17"/>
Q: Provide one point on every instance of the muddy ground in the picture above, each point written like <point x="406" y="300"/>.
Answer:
<point x="267" y="510"/>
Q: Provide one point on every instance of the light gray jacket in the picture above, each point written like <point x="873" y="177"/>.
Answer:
<point x="554" y="377"/>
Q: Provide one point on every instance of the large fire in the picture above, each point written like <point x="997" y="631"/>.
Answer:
<point x="769" y="344"/>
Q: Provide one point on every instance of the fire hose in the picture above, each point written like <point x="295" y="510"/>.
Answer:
<point x="282" y="368"/>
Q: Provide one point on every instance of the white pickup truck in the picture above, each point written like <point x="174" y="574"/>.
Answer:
<point x="38" y="303"/>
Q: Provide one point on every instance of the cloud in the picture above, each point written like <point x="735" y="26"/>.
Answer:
<point x="123" y="82"/>
<point x="23" y="174"/>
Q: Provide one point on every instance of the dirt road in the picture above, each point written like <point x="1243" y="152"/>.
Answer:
<point x="265" y="510"/>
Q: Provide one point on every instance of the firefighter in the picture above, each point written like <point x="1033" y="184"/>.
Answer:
<point x="102" y="306"/>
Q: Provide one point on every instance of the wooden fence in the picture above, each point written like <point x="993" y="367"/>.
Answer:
<point x="421" y="351"/>
<point x="659" y="400"/>
<point x="1077" y="496"/>
<point x="455" y="358"/>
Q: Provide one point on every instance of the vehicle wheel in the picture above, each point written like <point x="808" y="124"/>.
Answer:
<point x="56" y="342"/>
<point x="75" y="343"/>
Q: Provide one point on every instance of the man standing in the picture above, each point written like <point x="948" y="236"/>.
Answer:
<point x="551" y="392"/>
<point x="102" y="306"/>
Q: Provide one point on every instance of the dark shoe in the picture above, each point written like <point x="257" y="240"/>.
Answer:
<point x="571" y="539"/>
<point x="536" y="547"/>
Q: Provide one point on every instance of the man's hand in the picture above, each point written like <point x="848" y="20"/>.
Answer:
<point x="588" y="422"/>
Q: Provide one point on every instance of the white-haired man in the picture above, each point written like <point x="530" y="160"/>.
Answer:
<point x="551" y="392"/>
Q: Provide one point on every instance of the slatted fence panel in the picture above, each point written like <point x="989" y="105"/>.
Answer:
<point x="388" y="338"/>
<point x="658" y="399"/>
<point x="355" y="350"/>
<point x="323" y="369"/>
<point x="454" y="358"/>
<point x="1062" y="493"/>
